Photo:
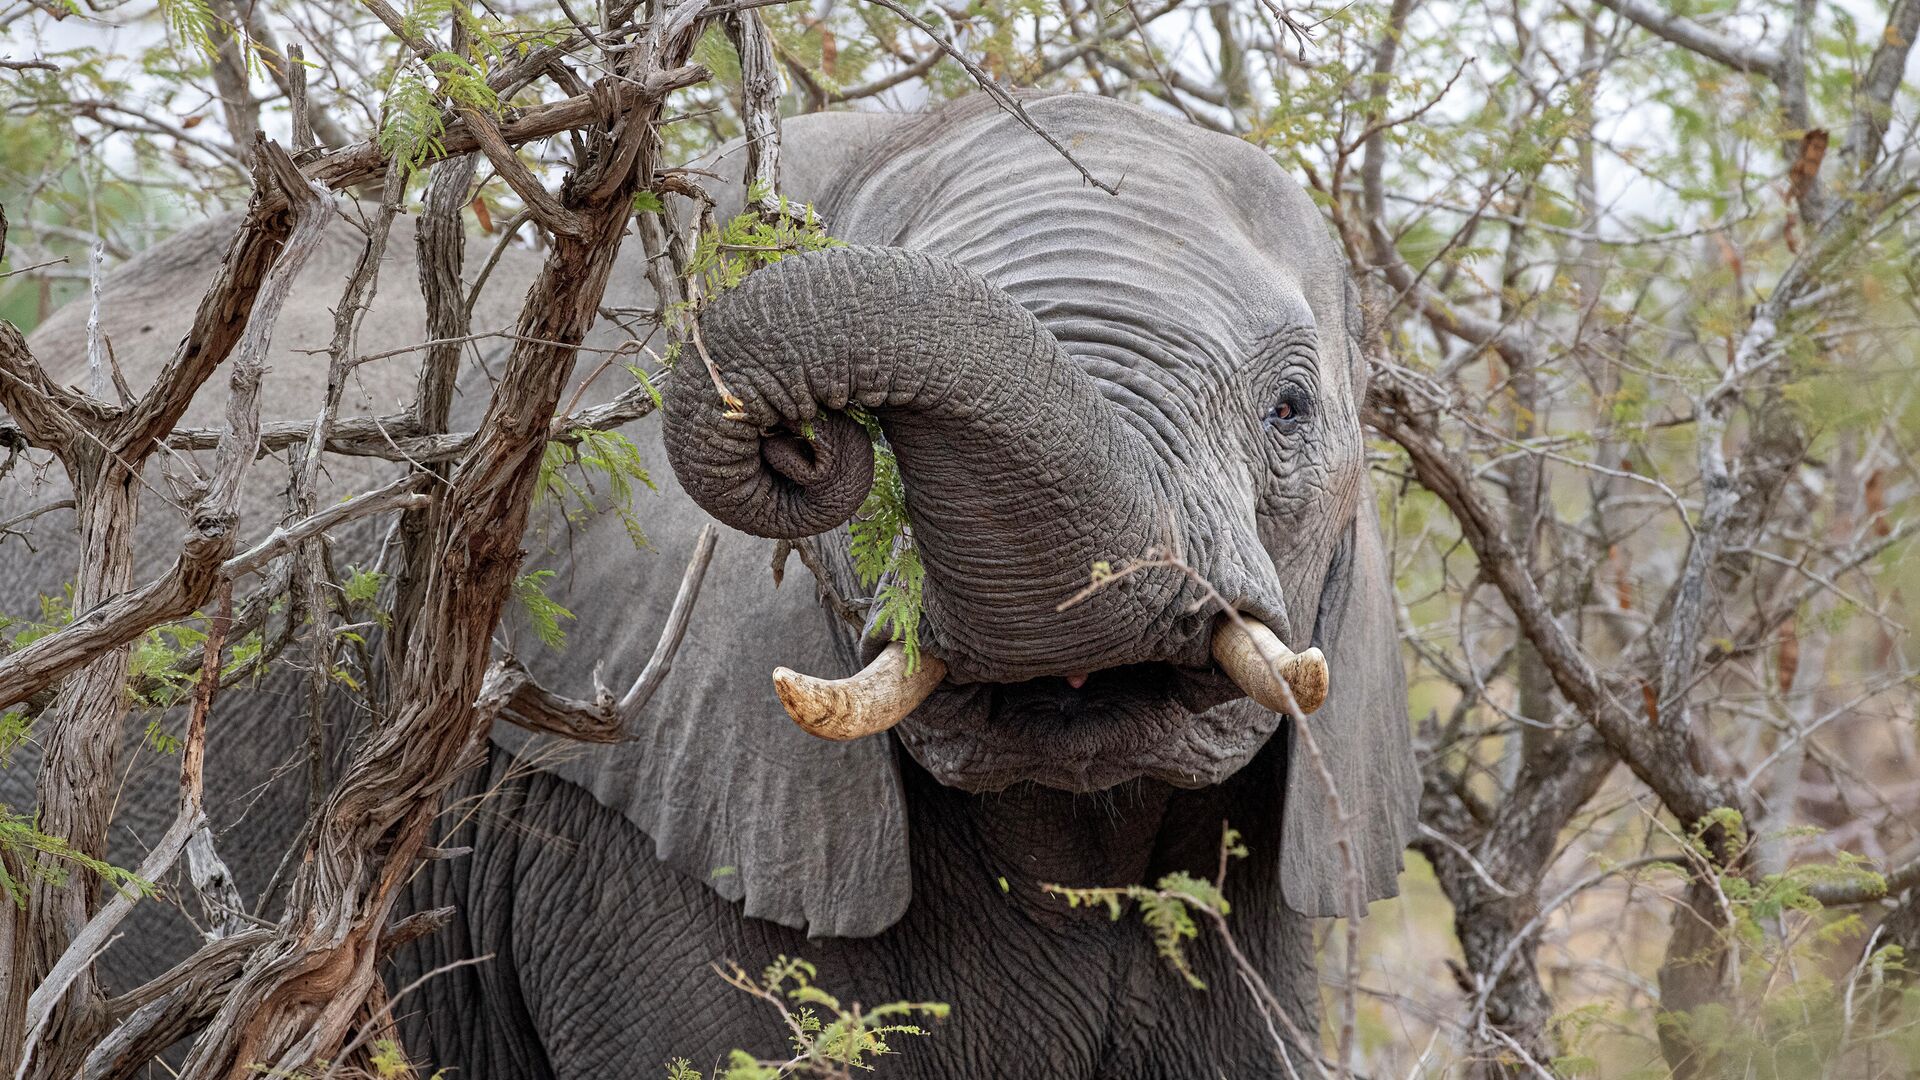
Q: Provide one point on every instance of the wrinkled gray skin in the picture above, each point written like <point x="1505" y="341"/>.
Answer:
<point x="1065" y="376"/>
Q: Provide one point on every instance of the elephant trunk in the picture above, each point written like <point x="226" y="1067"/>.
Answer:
<point x="1019" y="475"/>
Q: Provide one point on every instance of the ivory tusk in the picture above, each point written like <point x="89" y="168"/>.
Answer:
<point x="1251" y="654"/>
<point x="878" y="697"/>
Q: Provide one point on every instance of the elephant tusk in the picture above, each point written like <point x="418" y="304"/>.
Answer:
<point x="1255" y="658"/>
<point x="880" y="696"/>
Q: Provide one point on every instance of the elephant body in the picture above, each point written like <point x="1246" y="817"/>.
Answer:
<point x="605" y="962"/>
<point x="604" y="884"/>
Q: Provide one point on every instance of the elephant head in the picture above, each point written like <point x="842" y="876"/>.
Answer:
<point x="1022" y="474"/>
<point x="1069" y="380"/>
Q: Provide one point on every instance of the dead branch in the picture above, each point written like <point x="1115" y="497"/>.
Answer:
<point x="159" y="1014"/>
<point x="113" y="623"/>
<point x="1874" y="106"/>
<point x="760" y="91"/>
<point x="661" y="662"/>
<point x="296" y="1000"/>
<point x="992" y="86"/>
<point x="510" y="691"/>
<point x="402" y="494"/>
<point x="210" y="535"/>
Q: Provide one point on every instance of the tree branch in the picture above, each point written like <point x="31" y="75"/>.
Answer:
<point x="1873" y="108"/>
<point x="1757" y="58"/>
<point x="511" y="692"/>
<point x="242" y="316"/>
<point x="211" y="537"/>
<point x="1849" y="893"/>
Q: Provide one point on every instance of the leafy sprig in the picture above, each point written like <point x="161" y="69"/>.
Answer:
<point x="881" y="545"/>
<point x="572" y="471"/>
<point x="47" y="859"/>
<point x="827" y="1037"/>
<point x="1168" y="908"/>
<point x="413" y="119"/>
<point x="544" y="613"/>
<point x="725" y="255"/>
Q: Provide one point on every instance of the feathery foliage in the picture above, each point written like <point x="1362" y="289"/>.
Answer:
<point x="577" y="464"/>
<point x="15" y="728"/>
<point x="828" y="1037"/>
<point x="191" y="24"/>
<point x="573" y="469"/>
<point x="725" y="255"/>
<point x="46" y="859"/>
<point x="412" y="123"/>
<point x="1167" y="909"/>
<point x="544" y="613"/>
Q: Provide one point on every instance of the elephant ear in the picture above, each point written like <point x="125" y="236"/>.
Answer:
<point x="805" y="833"/>
<point x="1363" y="737"/>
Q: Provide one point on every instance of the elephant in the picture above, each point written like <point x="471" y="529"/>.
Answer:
<point x="1161" y="386"/>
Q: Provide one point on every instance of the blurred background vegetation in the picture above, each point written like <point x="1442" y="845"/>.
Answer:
<point x="1615" y="257"/>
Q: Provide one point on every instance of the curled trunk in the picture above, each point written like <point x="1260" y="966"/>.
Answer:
<point x="1019" y="474"/>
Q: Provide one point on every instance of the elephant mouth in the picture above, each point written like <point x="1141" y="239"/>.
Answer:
<point x="1083" y="731"/>
<point x="1188" y="727"/>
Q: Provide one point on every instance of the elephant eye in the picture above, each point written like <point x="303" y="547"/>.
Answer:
<point x="1289" y="412"/>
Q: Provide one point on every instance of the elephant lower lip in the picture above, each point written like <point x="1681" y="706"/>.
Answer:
<point x="1185" y="726"/>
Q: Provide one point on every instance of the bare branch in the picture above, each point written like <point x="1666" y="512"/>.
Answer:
<point x="890" y="80"/>
<point x="760" y="89"/>
<point x="47" y="415"/>
<point x="1688" y="793"/>
<point x="160" y="1013"/>
<point x="399" y="495"/>
<point x="994" y="90"/>
<point x="297" y="999"/>
<point x="510" y="690"/>
<point x="210" y="535"/>
<point x="1757" y="58"/>
<point x="661" y="662"/>
<point x="1873" y="106"/>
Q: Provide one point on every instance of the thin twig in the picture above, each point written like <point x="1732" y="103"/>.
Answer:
<point x="998" y="93"/>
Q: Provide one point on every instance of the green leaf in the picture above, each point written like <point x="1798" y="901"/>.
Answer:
<point x="881" y="545"/>
<point x="725" y="255"/>
<point x="640" y="375"/>
<point x="20" y="836"/>
<point x="543" y="612"/>
<point x="742" y="1066"/>
<point x="572" y="470"/>
<point x="157" y="738"/>
<point x="192" y="23"/>
<point x="15" y="728"/>
<point x="411" y="125"/>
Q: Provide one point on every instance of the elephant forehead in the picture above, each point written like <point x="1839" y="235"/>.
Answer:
<point x="1183" y="242"/>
